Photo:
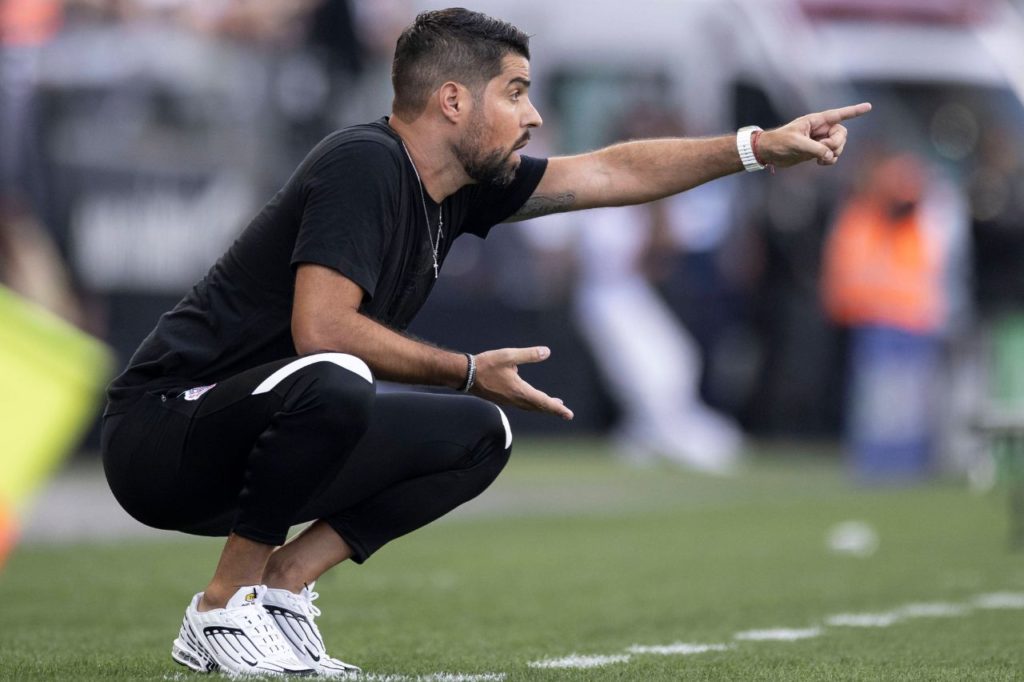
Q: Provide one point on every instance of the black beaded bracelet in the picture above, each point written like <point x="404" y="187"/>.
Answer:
<point x="470" y="373"/>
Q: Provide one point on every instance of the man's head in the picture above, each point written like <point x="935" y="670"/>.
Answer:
<point x="450" y="45"/>
<point x="476" y="70"/>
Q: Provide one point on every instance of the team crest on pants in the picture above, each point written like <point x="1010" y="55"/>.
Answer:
<point x="197" y="392"/>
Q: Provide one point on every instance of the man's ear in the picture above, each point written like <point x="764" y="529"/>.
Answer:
<point x="454" y="101"/>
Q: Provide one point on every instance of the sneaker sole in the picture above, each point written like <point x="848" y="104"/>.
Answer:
<point x="188" y="658"/>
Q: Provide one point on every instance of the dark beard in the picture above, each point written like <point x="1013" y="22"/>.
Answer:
<point x="491" y="168"/>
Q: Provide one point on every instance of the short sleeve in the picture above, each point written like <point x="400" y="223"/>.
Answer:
<point x="349" y="211"/>
<point x="490" y="205"/>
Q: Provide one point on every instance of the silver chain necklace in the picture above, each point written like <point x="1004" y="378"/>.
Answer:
<point x="435" y="244"/>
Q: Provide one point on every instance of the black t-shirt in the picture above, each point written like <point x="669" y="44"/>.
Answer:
<point x="353" y="205"/>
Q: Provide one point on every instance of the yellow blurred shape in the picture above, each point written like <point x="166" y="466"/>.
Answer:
<point x="50" y="379"/>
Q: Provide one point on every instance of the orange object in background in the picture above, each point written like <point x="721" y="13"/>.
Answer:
<point x="8" y="531"/>
<point x="29" y="22"/>
<point x="881" y="265"/>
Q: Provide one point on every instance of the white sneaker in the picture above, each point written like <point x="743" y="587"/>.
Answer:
<point x="240" y="639"/>
<point x="295" y="617"/>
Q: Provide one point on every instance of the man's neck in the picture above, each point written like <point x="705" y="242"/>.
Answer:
<point x="440" y="172"/>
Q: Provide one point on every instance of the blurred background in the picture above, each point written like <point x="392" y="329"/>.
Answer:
<point x="877" y="304"/>
<point x="822" y="333"/>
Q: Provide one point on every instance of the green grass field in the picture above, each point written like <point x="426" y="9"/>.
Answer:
<point x="571" y="553"/>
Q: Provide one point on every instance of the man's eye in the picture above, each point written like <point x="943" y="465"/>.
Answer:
<point x="515" y="95"/>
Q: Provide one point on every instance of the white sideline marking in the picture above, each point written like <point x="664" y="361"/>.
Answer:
<point x="578" y="661"/>
<point x="349" y="362"/>
<point x="778" y="634"/>
<point x="1000" y="600"/>
<point x="434" y="677"/>
<point x="863" y="620"/>
<point x="677" y="649"/>
<point x="887" y="618"/>
<point x="933" y="610"/>
<point x="460" y="677"/>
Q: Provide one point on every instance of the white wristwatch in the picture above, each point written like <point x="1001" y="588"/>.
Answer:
<point x="746" y="150"/>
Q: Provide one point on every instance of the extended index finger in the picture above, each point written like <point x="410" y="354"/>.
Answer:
<point x="833" y="116"/>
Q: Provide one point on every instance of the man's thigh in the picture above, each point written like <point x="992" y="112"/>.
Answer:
<point x="232" y="418"/>
<point x="178" y="460"/>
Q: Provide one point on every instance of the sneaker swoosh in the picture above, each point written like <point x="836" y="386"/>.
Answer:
<point x="315" y="656"/>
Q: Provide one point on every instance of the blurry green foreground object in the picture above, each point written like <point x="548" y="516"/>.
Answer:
<point x="50" y="379"/>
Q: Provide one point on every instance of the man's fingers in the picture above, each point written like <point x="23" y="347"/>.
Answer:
<point x="839" y="140"/>
<point x="816" y="150"/>
<point x="559" y="409"/>
<point x="820" y="136"/>
<point x="833" y="116"/>
<point x="505" y="384"/>
<point x="521" y="356"/>
<point x="542" y="402"/>
<point x="834" y="136"/>
<point x="836" y="139"/>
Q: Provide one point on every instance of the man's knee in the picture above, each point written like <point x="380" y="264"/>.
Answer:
<point x="500" y="430"/>
<point x="492" y="433"/>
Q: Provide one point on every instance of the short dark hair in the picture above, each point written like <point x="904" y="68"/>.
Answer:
<point x="450" y="44"/>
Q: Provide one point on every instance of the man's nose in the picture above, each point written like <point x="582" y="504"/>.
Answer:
<point x="533" y="119"/>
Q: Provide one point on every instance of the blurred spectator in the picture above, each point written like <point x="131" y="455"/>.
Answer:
<point x="886" y="277"/>
<point x="31" y="266"/>
<point x="795" y="345"/>
<point x="650" y="361"/>
<point x="997" y="211"/>
<point x="165" y="120"/>
<point x="379" y="23"/>
<point x="25" y="26"/>
<point x="711" y="270"/>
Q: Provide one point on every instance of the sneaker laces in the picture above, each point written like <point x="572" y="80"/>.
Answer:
<point x="308" y="596"/>
<point x="303" y="602"/>
<point x="258" y="626"/>
<point x="312" y="596"/>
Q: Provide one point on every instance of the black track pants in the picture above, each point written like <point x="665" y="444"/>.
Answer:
<point x="301" y="439"/>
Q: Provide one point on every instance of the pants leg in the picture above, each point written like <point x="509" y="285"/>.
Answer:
<point x="314" y="444"/>
<point x="249" y="452"/>
<point x="422" y="456"/>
